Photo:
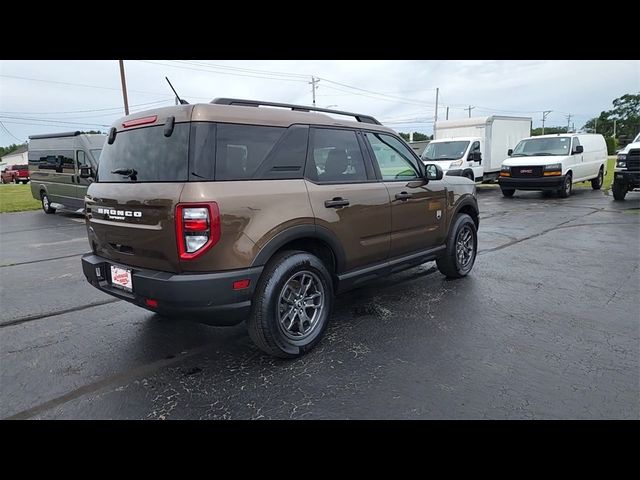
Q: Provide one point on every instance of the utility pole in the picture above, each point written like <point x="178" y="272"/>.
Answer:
<point x="447" y="113"/>
<point x="470" y="108"/>
<point x="595" y="130"/>
<point x="568" y="121"/>
<point x="313" y="82"/>
<point x="544" y="117"/>
<point x="124" y="88"/>
<point x="435" y="117"/>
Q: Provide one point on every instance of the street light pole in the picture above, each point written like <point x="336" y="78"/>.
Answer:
<point x="544" y="117"/>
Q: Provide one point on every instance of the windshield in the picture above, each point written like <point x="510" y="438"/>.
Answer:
<point x="543" y="146"/>
<point x="96" y="153"/>
<point x="146" y="155"/>
<point x="445" y="150"/>
<point x="637" y="139"/>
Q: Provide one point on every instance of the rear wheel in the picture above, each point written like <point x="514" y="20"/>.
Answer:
<point x="460" y="254"/>
<point x="16" y="181"/>
<point x="46" y="204"/>
<point x="567" y="186"/>
<point x="291" y="304"/>
<point x="508" y="192"/>
<point x="619" y="191"/>
<point x="596" y="183"/>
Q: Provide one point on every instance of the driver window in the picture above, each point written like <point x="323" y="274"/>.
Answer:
<point x="394" y="161"/>
<point x="575" y="144"/>
<point x="81" y="159"/>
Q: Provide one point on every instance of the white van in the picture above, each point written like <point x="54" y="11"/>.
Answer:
<point x="554" y="162"/>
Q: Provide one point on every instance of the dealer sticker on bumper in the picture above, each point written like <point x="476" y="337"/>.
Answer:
<point x="121" y="277"/>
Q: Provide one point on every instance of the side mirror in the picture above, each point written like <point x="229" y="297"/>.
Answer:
<point x="475" y="157"/>
<point x="510" y="152"/>
<point x="578" y="149"/>
<point x="433" y="171"/>
<point x="86" y="171"/>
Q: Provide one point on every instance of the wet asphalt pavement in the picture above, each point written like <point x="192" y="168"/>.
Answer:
<point x="546" y="326"/>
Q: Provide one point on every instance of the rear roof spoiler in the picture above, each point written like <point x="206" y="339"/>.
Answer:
<point x="55" y="135"/>
<point x="299" y="108"/>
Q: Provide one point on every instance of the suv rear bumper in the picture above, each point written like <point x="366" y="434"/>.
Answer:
<point x="538" y="183"/>
<point x="208" y="296"/>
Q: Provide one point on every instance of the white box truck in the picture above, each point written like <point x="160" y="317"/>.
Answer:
<point x="475" y="147"/>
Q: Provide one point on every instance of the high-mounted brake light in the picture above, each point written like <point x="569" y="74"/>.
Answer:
<point x="140" y="121"/>
<point x="197" y="228"/>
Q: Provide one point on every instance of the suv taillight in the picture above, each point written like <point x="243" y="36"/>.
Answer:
<point x="197" y="228"/>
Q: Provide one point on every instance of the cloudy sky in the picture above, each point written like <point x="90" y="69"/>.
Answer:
<point x="55" y="96"/>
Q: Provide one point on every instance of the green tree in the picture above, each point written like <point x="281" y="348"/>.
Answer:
<point x="7" y="150"/>
<point x="417" y="136"/>
<point x="548" y="130"/>
<point x="625" y="112"/>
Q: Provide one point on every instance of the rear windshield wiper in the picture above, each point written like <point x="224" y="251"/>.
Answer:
<point x="127" y="172"/>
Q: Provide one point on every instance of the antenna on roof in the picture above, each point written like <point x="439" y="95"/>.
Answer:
<point x="182" y="102"/>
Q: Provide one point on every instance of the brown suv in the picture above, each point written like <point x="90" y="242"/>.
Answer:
<point x="235" y="210"/>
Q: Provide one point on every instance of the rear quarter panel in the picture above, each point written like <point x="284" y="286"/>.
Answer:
<point x="252" y="213"/>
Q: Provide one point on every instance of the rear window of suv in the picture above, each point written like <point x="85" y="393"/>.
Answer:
<point x="205" y="151"/>
<point x="153" y="157"/>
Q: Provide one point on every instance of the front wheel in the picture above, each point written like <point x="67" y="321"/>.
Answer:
<point x="619" y="191"/>
<point x="596" y="183"/>
<point x="16" y="181"/>
<point x="46" y="204"/>
<point x="508" y="192"/>
<point x="460" y="254"/>
<point x="567" y="186"/>
<point x="291" y="305"/>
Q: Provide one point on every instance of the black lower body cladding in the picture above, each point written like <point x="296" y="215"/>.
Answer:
<point x="536" y="183"/>
<point x="210" y="297"/>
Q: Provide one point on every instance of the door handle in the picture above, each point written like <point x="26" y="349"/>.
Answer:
<point x="336" y="202"/>
<point x="404" y="196"/>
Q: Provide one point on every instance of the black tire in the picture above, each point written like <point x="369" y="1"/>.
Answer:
<point x="597" y="182"/>
<point x="46" y="205"/>
<point x="619" y="191"/>
<point x="25" y="182"/>
<point x="3" y="180"/>
<point x="567" y="186"/>
<point x="264" y="326"/>
<point x="508" y="192"/>
<point x="16" y="181"/>
<point x="449" y="263"/>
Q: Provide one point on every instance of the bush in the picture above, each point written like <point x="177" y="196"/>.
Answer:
<point x="612" y="145"/>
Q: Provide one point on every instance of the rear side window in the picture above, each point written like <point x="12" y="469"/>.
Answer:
<point x="335" y="157"/>
<point x="56" y="160"/>
<point x="240" y="149"/>
<point x="146" y="155"/>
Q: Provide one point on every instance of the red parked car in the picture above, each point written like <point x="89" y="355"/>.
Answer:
<point x="15" y="174"/>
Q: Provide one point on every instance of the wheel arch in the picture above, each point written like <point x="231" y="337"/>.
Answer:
<point x="314" y="239"/>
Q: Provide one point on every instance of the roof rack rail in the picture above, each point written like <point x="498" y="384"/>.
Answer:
<point x="300" y="108"/>
<point x="55" y="135"/>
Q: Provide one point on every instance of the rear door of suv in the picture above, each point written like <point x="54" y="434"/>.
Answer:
<point x="417" y="207"/>
<point x="346" y="197"/>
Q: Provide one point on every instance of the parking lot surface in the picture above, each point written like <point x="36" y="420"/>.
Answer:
<point x="546" y="326"/>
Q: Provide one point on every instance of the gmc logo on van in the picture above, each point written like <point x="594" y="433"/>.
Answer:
<point x="118" y="214"/>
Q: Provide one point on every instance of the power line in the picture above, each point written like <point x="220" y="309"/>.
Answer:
<point x="241" y="69"/>
<point x="222" y="73"/>
<point x="7" y="130"/>
<point x="377" y="98"/>
<point x="86" y="111"/>
<point x="51" y="121"/>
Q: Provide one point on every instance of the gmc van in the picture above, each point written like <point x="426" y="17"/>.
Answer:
<point x="554" y="162"/>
